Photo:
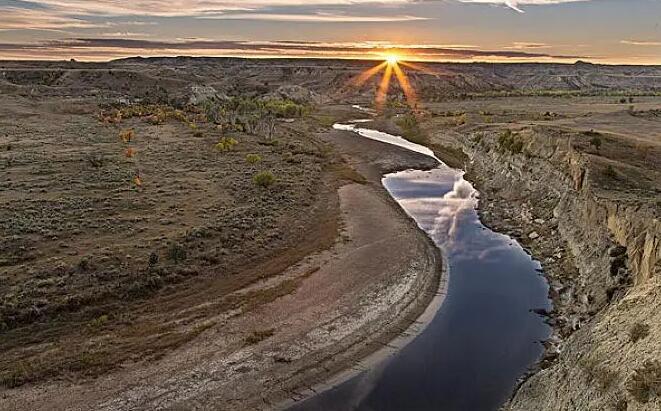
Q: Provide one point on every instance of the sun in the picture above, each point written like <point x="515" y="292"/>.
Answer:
<point x="393" y="65"/>
<point x="392" y="59"/>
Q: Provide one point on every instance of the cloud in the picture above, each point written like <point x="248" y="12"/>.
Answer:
<point x="121" y="47"/>
<point x="172" y="8"/>
<point x="49" y="14"/>
<point x="516" y="4"/>
<point x="314" y="17"/>
<point x="37" y="14"/>
<point x="14" y="18"/>
<point x="125" y="34"/>
<point x="522" y="45"/>
<point x="641" y="43"/>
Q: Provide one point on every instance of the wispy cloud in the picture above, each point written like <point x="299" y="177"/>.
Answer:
<point x="314" y="17"/>
<point x="63" y="14"/>
<point x="522" y="45"/>
<point x="40" y="14"/>
<point x="125" y="34"/>
<point x="516" y="4"/>
<point x="14" y="18"/>
<point x="641" y="43"/>
<point x="171" y="8"/>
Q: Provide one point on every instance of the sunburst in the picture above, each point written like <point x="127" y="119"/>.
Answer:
<point x="392" y="64"/>
<point x="392" y="59"/>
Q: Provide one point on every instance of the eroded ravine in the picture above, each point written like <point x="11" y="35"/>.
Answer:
<point x="485" y="335"/>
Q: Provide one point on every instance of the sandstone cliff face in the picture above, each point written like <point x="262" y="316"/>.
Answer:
<point x="599" y="240"/>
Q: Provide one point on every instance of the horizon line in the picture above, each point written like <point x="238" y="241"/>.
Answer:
<point x="338" y="58"/>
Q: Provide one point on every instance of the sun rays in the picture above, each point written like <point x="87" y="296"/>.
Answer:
<point x="391" y="65"/>
<point x="392" y="59"/>
<point x="382" y="93"/>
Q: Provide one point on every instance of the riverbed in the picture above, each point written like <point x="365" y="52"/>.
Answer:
<point x="484" y="336"/>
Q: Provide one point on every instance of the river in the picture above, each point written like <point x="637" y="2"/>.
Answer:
<point x="484" y="336"/>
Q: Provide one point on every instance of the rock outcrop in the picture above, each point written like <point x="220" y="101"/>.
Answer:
<point x="598" y="236"/>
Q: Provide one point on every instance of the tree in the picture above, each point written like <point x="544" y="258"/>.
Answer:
<point x="269" y="122"/>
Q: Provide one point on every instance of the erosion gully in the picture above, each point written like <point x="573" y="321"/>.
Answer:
<point x="484" y="336"/>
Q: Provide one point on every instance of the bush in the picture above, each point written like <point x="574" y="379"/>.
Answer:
<point x="639" y="331"/>
<point x="597" y="372"/>
<point x="19" y="374"/>
<point x="411" y="129"/>
<point x="510" y="141"/>
<point x="610" y="172"/>
<point x="177" y="253"/>
<point x="645" y="383"/>
<point x="226" y="144"/>
<point x="258" y="336"/>
<point x="96" y="160"/>
<point x="98" y="322"/>
<point x="264" y="179"/>
<point x="253" y="158"/>
<point x="153" y="259"/>
<point x="596" y="142"/>
<point x="129" y="153"/>
<point x="127" y="135"/>
<point x="84" y="264"/>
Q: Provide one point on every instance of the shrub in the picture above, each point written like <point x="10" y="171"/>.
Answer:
<point x="226" y="144"/>
<point x="596" y="142"/>
<point x="621" y="405"/>
<point x="460" y="120"/>
<point x="258" y="336"/>
<point x="18" y="374"/>
<point x="98" y="322"/>
<point x="130" y="152"/>
<point x="610" y="172"/>
<point x="411" y="129"/>
<point x="598" y="372"/>
<point x="407" y="121"/>
<point x="177" y="253"/>
<point x="253" y="158"/>
<point x="325" y="120"/>
<point x="264" y="179"/>
<point x="153" y="259"/>
<point x="84" y="264"/>
<point x="127" y="135"/>
<point x="639" y="331"/>
<point x="95" y="160"/>
<point x="645" y="383"/>
<point x="510" y="141"/>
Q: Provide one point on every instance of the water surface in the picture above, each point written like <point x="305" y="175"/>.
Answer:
<point x="484" y="336"/>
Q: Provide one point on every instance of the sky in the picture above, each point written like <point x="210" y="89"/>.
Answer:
<point x="600" y="31"/>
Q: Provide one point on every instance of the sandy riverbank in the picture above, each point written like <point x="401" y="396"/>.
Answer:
<point x="344" y="303"/>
